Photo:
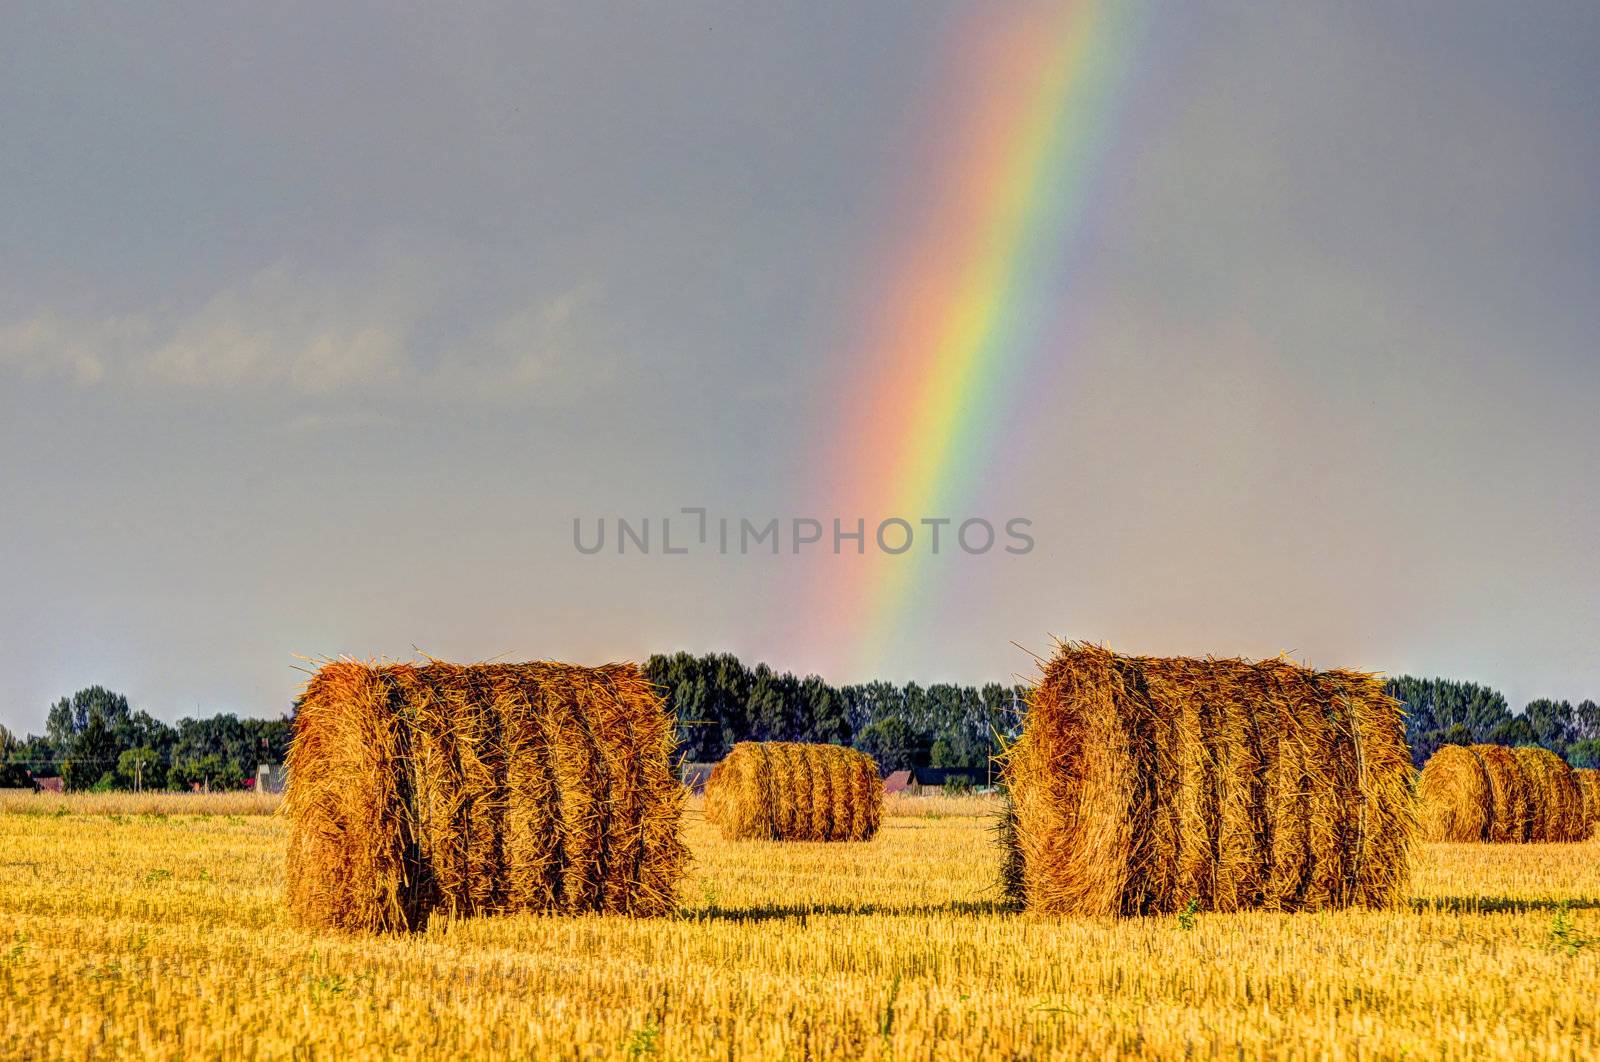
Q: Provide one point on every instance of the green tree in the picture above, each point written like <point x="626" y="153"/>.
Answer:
<point x="945" y="754"/>
<point x="708" y="696"/>
<point x="210" y="771"/>
<point x="774" y="708"/>
<point x="90" y="754"/>
<point x="717" y="701"/>
<point x="892" y="743"/>
<point x="138" y="729"/>
<point x="37" y="756"/>
<point x="866" y="704"/>
<point x="1004" y="708"/>
<point x="729" y="683"/>
<point x="823" y="712"/>
<point x="1553" y="723"/>
<point x="1586" y="721"/>
<point x="139" y="768"/>
<point x="1513" y="732"/>
<point x="13" y="772"/>
<point x="88" y="732"/>
<point x="267" y="741"/>
<point x="1439" y="711"/>
<point x="70" y="716"/>
<point x="234" y="742"/>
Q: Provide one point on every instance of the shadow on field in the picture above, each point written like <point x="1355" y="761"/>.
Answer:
<point x="1500" y="904"/>
<point x="777" y="912"/>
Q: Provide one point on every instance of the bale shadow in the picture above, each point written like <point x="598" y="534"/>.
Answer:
<point x="802" y="913"/>
<point x="1501" y="904"/>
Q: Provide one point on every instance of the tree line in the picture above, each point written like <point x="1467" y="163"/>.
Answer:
<point x="717" y="700"/>
<point x="96" y="740"/>
<point x="1448" y="712"/>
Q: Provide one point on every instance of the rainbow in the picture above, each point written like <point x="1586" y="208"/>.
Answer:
<point x="975" y="290"/>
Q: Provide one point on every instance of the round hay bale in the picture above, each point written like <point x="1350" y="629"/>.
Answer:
<point x="1589" y="785"/>
<point x="1142" y="785"/>
<point x="1538" y="799"/>
<point x="788" y="791"/>
<point x="479" y="789"/>
<point x="1557" y="803"/>
<point x="1511" y="821"/>
<point x="1455" y="797"/>
<point x="708" y="804"/>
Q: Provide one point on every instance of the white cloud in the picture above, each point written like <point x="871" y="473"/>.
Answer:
<point x="287" y="327"/>
<point x="80" y="349"/>
<point x="544" y="347"/>
<point x="297" y="332"/>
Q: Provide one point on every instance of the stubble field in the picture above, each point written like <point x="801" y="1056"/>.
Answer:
<point x="136" y="928"/>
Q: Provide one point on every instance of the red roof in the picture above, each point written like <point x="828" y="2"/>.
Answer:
<point x="897" y="782"/>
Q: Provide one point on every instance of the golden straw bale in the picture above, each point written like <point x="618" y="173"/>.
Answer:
<point x="1380" y="806"/>
<point x="1538" y="799"/>
<point x="866" y="798"/>
<point x="1511" y="821"/>
<point x="824" y="803"/>
<point x="1569" y="795"/>
<point x="1142" y="785"/>
<point x="1455" y="798"/>
<point x="1557" y="801"/>
<point x="788" y="791"/>
<point x="841" y="773"/>
<point x="1589" y="784"/>
<point x="347" y="802"/>
<point x="475" y="789"/>
<point x="705" y="791"/>
<point x="783" y="791"/>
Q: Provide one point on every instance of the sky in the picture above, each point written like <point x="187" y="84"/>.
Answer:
<point x="321" y="324"/>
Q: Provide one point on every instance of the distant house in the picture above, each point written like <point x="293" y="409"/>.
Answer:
<point x="47" y="785"/>
<point x="926" y="780"/>
<point x="897" y="782"/>
<point x="271" y="777"/>
<point x="694" y="775"/>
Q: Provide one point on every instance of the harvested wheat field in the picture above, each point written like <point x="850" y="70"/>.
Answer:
<point x="141" y="933"/>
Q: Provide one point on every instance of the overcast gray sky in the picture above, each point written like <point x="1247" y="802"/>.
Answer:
<point x="319" y="324"/>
